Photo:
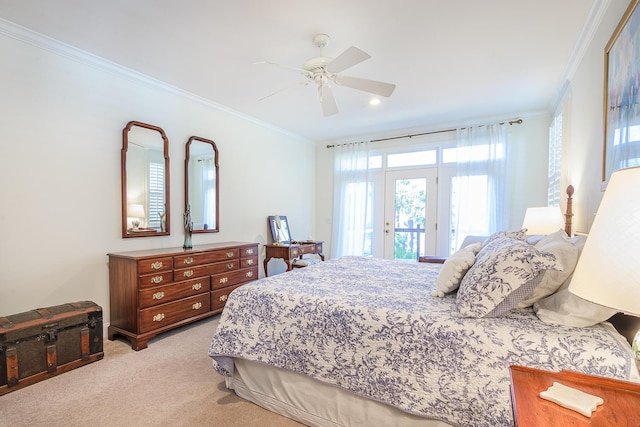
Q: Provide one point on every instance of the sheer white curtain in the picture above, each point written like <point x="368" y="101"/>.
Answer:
<point x="351" y="199"/>
<point x="480" y="187"/>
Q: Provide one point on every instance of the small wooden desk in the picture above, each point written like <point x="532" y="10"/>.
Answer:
<point x="621" y="405"/>
<point x="292" y="251"/>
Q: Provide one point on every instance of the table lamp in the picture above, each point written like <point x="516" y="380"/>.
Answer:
<point x="136" y="212"/>
<point x="543" y="220"/>
<point x="608" y="271"/>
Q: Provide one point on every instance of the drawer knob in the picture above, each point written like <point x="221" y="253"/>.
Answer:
<point x="249" y="274"/>
<point x="188" y="273"/>
<point x="294" y="252"/>
<point x="229" y="254"/>
<point x="156" y="279"/>
<point x="229" y="265"/>
<point x="196" y="286"/>
<point x="224" y="279"/>
<point x="156" y="265"/>
<point x="249" y="251"/>
<point x="158" y="295"/>
<point x="188" y="260"/>
<point x="197" y="306"/>
<point x="223" y="298"/>
<point x="249" y="262"/>
<point x="158" y="317"/>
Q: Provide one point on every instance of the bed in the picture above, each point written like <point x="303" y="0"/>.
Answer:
<point x="362" y="341"/>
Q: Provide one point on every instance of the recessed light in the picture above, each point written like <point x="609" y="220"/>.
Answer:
<point x="374" y="101"/>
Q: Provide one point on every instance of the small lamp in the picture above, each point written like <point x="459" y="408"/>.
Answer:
<point x="136" y="212"/>
<point x="608" y="271"/>
<point x="543" y="220"/>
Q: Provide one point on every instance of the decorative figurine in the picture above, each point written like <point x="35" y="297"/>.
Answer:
<point x="188" y="228"/>
<point x="163" y="219"/>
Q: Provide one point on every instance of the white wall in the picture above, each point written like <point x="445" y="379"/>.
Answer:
<point x="61" y="120"/>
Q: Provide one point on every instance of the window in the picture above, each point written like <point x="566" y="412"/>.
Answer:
<point x="555" y="161"/>
<point x="558" y="145"/>
<point x="414" y="158"/>
<point x="156" y="203"/>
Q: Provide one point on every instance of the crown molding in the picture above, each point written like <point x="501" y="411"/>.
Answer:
<point x="589" y="29"/>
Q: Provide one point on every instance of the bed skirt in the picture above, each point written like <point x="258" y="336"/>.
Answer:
<point x="312" y="402"/>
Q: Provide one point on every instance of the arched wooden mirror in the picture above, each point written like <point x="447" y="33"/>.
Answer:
<point x="145" y="181"/>
<point x="201" y="184"/>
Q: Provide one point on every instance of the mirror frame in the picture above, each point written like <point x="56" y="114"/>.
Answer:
<point x="186" y="180"/>
<point x="123" y="165"/>
<point x="274" y="230"/>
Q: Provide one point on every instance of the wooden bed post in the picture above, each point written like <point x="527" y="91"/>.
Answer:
<point x="569" y="212"/>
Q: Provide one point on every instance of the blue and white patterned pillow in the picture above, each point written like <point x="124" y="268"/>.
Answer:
<point x="518" y="235"/>
<point x="505" y="272"/>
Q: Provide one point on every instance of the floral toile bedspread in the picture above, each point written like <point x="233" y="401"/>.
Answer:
<point x="372" y="327"/>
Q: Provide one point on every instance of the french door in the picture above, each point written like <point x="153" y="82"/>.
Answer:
<point x="410" y="210"/>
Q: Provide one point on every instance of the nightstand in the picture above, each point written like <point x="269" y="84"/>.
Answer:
<point x="621" y="405"/>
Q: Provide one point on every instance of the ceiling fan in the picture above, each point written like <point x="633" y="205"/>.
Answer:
<point x="323" y="71"/>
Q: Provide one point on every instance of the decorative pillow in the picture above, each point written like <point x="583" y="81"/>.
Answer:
<point x="454" y="269"/>
<point x="567" y="309"/>
<point x="505" y="272"/>
<point x="518" y="235"/>
<point x="566" y="253"/>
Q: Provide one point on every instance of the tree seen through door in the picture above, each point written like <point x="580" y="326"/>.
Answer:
<point x="409" y="221"/>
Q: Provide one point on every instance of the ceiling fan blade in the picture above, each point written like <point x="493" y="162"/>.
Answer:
<point x="371" y="86"/>
<point x="346" y="59"/>
<point x="304" y="83"/>
<point x="286" y="67"/>
<point x="327" y="100"/>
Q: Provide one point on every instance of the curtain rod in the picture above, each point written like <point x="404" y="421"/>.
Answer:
<point x="511" y="122"/>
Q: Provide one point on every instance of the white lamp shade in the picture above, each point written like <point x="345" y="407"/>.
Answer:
<point x="543" y="220"/>
<point x="608" y="271"/>
<point x="135" y="211"/>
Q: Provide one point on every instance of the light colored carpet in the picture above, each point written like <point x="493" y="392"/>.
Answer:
<point x="171" y="383"/>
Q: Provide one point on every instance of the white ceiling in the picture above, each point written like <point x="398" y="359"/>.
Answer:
<point x="453" y="61"/>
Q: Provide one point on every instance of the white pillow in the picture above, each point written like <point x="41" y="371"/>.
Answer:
<point x="566" y="253"/>
<point x="454" y="269"/>
<point x="505" y="272"/>
<point x="567" y="309"/>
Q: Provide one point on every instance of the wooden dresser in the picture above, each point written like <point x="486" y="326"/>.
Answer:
<point x="153" y="291"/>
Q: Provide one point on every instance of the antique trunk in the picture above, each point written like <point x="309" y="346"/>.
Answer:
<point x="38" y="344"/>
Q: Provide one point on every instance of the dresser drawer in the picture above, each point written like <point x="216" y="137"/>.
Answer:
<point x="206" y="270"/>
<point x="234" y="277"/>
<point x="155" y="265"/>
<point x="166" y="314"/>
<point x="174" y="291"/>
<point x="155" y="279"/>
<point x="187" y="260"/>
<point x="249" y="251"/>
<point x="307" y="249"/>
<point x="219" y="298"/>
<point x="248" y="262"/>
